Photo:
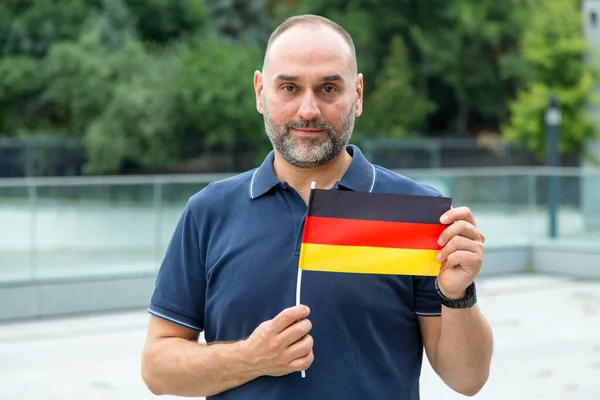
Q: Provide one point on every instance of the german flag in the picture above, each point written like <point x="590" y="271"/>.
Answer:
<point x="372" y="233"/>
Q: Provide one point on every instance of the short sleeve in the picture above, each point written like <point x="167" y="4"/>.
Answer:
<point x="427" y="301"/>
<point x="181" y="282"/>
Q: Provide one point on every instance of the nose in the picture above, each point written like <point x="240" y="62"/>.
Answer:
<point x="309" y="108"/>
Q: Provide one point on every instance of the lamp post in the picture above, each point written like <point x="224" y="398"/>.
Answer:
<point x="553" y="119"/>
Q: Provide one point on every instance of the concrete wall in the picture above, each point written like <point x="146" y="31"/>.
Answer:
<point x="567" y="258"/>
<point x="506" y="259"/>
<point x="65" y="297"/>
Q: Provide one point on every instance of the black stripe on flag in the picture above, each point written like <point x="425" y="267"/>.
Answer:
<point x="378" y="206"/>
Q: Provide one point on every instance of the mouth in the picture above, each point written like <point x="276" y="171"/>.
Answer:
<point x="307" y="132"/>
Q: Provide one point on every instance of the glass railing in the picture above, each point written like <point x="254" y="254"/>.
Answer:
<point x="61" y="228"/>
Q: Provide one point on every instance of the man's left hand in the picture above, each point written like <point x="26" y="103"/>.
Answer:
<point x="461" y="254"/>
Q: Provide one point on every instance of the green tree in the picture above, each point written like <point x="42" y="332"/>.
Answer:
<point x="119" y="101"/>
<point x="154" y="108"/>
<point x="555" y="52"/>
<point x="394" y="108"/>
<point x="243" y="20"/>
<point x="140" y="123"/>
<point x="101" y="70"/>
<point x="464" y="45"/>
<point x="29" y="33"/>
<point x="162" y="21"/>
<point x="215" y="91"/>
<point x="19" y="79"/>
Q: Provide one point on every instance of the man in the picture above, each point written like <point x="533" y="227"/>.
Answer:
<point x="230" y="269"/>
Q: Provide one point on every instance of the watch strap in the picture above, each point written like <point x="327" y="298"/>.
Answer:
<point x="468" y="302"/>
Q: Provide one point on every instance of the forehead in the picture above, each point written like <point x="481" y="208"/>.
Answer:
<point x="306" y="50"/>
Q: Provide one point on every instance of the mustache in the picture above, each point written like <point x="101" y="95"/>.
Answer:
<point x="311" y="124"/>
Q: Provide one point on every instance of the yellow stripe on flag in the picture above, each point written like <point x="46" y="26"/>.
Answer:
<point x="368" y="260"/>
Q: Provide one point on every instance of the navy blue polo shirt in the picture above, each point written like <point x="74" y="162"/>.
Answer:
<point x="232" y="263"/>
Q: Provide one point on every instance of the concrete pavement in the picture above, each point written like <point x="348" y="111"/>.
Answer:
<point x="547" y="333"/>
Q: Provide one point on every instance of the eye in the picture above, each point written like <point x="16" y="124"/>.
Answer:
<point x="288" y="88"/>
<point x="329" y="89"/>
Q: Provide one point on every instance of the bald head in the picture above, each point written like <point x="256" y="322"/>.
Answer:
<point x="325" y="31"/>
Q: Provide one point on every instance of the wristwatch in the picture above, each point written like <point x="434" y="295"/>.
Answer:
<point x="467" y="302"/>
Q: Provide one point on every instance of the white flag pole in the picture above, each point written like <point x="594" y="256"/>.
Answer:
<point x="299" y="280"/>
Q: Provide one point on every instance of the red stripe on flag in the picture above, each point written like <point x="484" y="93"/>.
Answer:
<point x="356" y="232"/>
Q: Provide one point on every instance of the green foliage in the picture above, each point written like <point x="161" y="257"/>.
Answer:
<point x="31" y="32"/>
<point x="161" y="21"/>
<point x="119" y="101"/>
<point x="394" y="107"/>
<point x="19" y="74"/>
<point x="133" y="105"/>
<point x="216" y="92"/>
<point x="139" y="124"/>
<point x="112" y="23"/>
<point x="240" y="20"/>
<point x="78" y="67"/>
<point x="153" y="83"/>
<point x="19" y="80"/>
<point x="36" y="25"/>
<point x="80" y="77"/>
<point x="554" y="51"/>
<point x="462" y="45"/>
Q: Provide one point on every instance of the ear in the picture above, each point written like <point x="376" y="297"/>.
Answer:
<point x="258" y="89"/>
<point x="359" y="95"/>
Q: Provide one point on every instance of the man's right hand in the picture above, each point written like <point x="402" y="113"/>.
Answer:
<point x="281" y="345"/>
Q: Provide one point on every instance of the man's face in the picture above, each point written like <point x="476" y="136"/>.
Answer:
<point x="309" y="94"/>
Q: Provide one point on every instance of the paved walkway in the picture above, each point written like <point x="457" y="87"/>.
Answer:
<point x="547" y="334"/>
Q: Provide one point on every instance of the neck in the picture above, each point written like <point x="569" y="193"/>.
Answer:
<point x="324" y="176"/>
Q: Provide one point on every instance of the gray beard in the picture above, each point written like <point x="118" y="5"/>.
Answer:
<point x="309" y="152"/>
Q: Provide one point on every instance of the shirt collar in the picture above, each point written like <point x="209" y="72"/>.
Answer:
<point x="360" y="175"/>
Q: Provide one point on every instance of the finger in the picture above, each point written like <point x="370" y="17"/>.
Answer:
<point x="288" y="317"/>
<point x="459" y="228"/>
<point x="302" y="364"/>
<point x="300" y="349"/>
<point x="467" y="260"/>
<point x="295" y="332"/>
<point x="459" y="243"/>
<point x="443" y="267"/>
<point x="457" y="214"/>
